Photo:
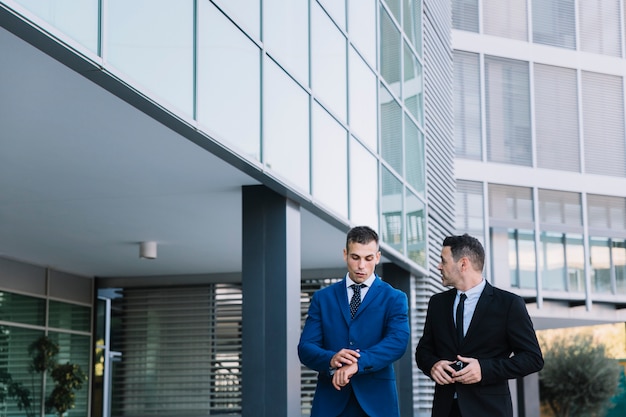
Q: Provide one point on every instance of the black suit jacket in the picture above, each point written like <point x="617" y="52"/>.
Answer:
<point x="501" y="336"/>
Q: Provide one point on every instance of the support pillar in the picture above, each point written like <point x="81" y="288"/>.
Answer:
<point x="271" y="304"/>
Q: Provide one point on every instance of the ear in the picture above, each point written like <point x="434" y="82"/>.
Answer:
<point x="377" y="257"/>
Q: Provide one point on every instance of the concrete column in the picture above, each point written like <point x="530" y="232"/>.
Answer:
<point x="401" y="279"/>
<point x="271" y="304"/>
<point x="528" y="396"/>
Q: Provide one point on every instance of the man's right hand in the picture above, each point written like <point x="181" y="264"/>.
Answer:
<point x="441" y="372"/>
<point x="344" y="357"/>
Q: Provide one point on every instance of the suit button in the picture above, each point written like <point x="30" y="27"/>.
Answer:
<point x="351" y="343"/>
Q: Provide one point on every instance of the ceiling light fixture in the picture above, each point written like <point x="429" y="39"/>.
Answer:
<point x="148" y="250"/>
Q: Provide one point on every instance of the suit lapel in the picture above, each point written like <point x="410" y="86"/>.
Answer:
<point x="481" y="310"/>
<point x="342" y="300"/>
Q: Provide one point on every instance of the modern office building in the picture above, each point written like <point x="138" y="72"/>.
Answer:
<point x="176" y="180"/>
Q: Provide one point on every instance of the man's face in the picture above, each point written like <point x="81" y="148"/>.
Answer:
<point x="450" y="270"/>
<point x="361" y="260"/>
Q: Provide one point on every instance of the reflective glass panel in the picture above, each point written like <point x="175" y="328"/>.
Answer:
<point x="246" y="13"/>
<point x="575" y="255"/>
<point x="600" y="264"/>
<point x="337" y="10"/>
<point x="391" y="130"/>
<point x="390" y="52"/>
<point x="413" y="92"/>
<point x="227" y="58"/>
<point x="77" y="19"/>
<point x="328" y="66"/>
<point x="414" y="157"/>
<point x="412" y="23"/>
<point x="392" y="210"/>
<point x="362" y="27"/>
<point x="22" y="309"/>
<point x="152" y="43"/>
<point x="286" y="126"/>
<point x="552" y="261"/>
<point x="415" y="229"/>
<point x="619" y="264"/>
<point x="286" y="35"/>
<point x="363" y="186"/>
<point x="69" y="316"/>
<point x="363" y="111"/>
<point x="394" y="6"/>
<point x="74" y="349"/>
<point x="15" y="364"/>
<point x="522" y="258"/>
<point x="330" y="153"/>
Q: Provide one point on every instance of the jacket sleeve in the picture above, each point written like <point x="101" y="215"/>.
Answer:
<point x="521" y="337"/>
<point x="310" y="350"/>
<point x="425" y="356"/>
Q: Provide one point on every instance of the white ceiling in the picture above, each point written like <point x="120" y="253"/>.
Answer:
<point x="85" y="177"/>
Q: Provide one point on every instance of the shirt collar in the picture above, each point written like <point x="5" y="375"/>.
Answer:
<point x="368" y="282"/>
<point x="473" y="292"/>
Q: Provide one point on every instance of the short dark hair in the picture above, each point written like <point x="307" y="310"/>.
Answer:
<point x="468" y="246"/>
<point x="362" y="235"/>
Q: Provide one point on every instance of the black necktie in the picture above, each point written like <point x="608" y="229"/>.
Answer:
<point x="355" y="302"/>
<point x="459" y="317"/>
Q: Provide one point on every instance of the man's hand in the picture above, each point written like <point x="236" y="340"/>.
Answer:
<point x="342" y="375"/>
<point x="471" y="372"/>
<point x="441" y="372"/>
<point x="344" y="357"/>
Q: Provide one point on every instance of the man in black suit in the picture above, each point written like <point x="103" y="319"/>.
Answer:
<point x="494" y="341"/>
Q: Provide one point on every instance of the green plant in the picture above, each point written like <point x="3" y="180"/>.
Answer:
<point x="577" y="379"/>
<point x="67" y="378"/>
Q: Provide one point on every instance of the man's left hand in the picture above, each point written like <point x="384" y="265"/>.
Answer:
<point x="471" y="372"/>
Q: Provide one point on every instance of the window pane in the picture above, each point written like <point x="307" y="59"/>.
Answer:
<point x="505" y="18"/>
<point x="416" y="229"/>
<point x="414" y="157"/>
<point x="22" y="309"/>
<point x="337" y="10"/>
<point x="560" y="207"/>
<point x="328" y="66"/>
<point x="467" y="105"/>
<point x="470" y="209"/>
<point x="152" y="43"/>
<point x="226" y="57"/>
<point x="69" y="316"/>
<point x="330" y="153"/>
<point x="553" y="261"/>
<point x="363" y="110"/>
<point x="554" y="23"/>
<point x="413" y="92"/>
<point x="390" y="52"/>
<point x="245" y="12"/>
<point x="465" y="15"/>
<point x="15" y="360"/>
<point x="508" y="111"/>
<point x="391" y="130"/>
<point x="391" y="220"/>
<point x="362" y="27"/>
<point x="412" y="23"/>
<point x="78" y="19"/>
<point x="600" y="265"/>
<point x="575" y="255"/>
<point x="286" y="124"/>
<point x="522" y="258"/>
<point x="619" y="264"/>
<point x="599" y="26"/>
<point x="286" y="35"/>
<point x="363" y="186"/>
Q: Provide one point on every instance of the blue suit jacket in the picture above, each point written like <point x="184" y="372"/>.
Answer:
<point x="379" y="330"/>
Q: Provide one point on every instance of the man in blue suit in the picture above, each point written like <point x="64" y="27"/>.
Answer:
<point x="354" y="331"/>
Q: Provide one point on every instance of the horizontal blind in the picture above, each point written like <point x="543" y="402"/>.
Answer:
<point x="507" y="93"/>
<point x="560" y="207"/>
<point x="506" y="19"/>
<point x="603" y="124"/>
<point x="599" y="27"/>
<point x="465" y="15"/>
<point x="606" y="212"/>
<point x="510" y="203"/>
<point x="467" y="105"/>
<point x="556" y="118"/>
<point x="554" y="23"/>
<point x="470" y="209"/>
<point x="181" y="351"/>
